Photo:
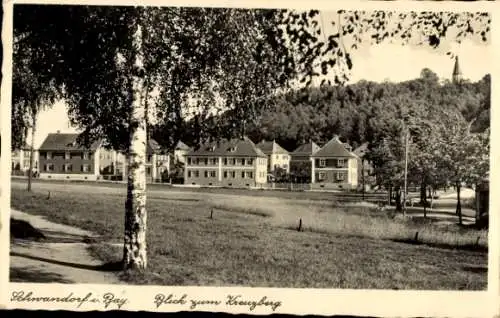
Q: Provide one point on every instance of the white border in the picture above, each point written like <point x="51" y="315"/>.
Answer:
<point x="294" y="301"/>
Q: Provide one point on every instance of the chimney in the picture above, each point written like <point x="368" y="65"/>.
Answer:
<point x="58" y="132"/>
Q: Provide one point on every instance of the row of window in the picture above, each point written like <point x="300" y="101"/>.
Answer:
<point x="340" y="163"/>
<point x="66" y="155"/>
<point x="67" y="167"/>
<point x="225" y="161"/>
<point x="339" y="176"/>
<point x="226" y="174"/>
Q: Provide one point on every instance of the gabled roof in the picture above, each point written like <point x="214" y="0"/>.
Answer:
<point x="271" y="147"/>
<point x="65" y="142"/>
<point x="333" y="148"/>
<point x="306" y="149"/>
<point x="230" y="148"/>
<point x="182" y="146"/>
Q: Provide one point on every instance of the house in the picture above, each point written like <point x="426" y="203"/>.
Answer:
<point x="278" y="158"/>
<point x="180" y="152"/>
<point x="229" y="163"/>
<point x="21" y="160"/>
<point x="365" y="168"/>
<point x="300" y="161"/>
<point x="334" y="166"/>
<point x="61" y="157"/>
<point x="157" y="162"/>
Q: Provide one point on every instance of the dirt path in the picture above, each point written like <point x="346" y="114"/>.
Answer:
<point x="62" y="257"/>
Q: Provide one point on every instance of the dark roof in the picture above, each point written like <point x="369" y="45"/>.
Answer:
<point x="271" y="147"/>
<point x="306" y="149"/>
<point x="361" y="150"/>
<point x="182" y="146"/>
<point x="333" y="148"/>
<point x="65" y="142"/>
<point x="234" y="147"/>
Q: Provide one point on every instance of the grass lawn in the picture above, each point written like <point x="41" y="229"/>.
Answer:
<point x="253" y="242"/>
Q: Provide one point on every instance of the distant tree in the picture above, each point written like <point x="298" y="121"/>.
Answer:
<point x="33" y="79"/>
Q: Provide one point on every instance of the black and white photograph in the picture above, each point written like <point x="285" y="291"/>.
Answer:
<point x="293" y="148"/>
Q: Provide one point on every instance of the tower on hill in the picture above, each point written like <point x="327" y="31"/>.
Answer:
<point x="457" y="72"/>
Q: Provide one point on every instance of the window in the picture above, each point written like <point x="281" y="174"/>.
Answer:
<point x="249" y="174"/>
<point x="67" y="156"/>
<point x="214" y="161"/>
<point x="85" y="156"/>
<point x="189" y="160"/>
<point x="322" y="162"/>
<point x="206" y="161"/>
<point x="321" y="176"/>
<point x="232" y="161"/>
<point x="68" y="167"/>
<point x="48" y="167"/>
<point x="206" y="174"/>
<point x="85" y="168"/>
<point x="48" y="155"/>
<point x="233" y="174"/>
<point x="277" y="156"/>
<point x="196" y="174"/>
<point x="243" y="174"/>
<point x="284" y="157"/>
<point x="150" y="157"/>
<point x="189" y="173"/>
<point x="212" y="174"/>
<point x="225" y="161"/>
<point x="341" y="163"/>
<point x="148" y="171"/>
<point x="225" y="174"/>
<point x="340" y="176"/>
<point x="242" y="162"/>
<point x="250" y="162"/>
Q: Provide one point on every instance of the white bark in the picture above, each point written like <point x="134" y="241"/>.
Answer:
<point x="135" y="249"/>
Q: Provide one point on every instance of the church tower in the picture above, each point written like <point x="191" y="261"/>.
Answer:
<point x="457" y="72"/>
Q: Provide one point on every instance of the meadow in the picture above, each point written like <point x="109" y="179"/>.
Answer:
<point x="213" y="239"/>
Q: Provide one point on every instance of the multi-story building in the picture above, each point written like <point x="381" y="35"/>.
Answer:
<point x="180" y="152"/>
<point x="300" y="162"/>
<point x="335" y="166"/>
<point x="21" y="160"/>
<point x="278" y="157"/>
<point x="157" y="162"/>
<point x="230" y="163"/>
<point x="61" y="157"/>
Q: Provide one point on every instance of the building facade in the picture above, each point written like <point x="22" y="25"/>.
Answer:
<point x="300" y="162"/>
<point x="278" y="158"/>
<point x="20" y="159"/>
<point x="334" y="166"/>
<point x="228" y="163"/>
<point x="61" y="157"/>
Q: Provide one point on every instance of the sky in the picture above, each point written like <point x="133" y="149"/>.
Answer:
<point x="392" y="62"/>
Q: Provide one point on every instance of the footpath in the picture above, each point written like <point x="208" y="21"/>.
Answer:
<point x="61" y="257"/>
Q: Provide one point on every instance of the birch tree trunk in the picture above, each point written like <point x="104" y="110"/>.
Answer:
<point x="134" y="250"/>
<point x="32" y="150"/>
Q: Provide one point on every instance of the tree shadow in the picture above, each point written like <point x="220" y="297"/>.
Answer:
<point x="464" y="247"/>
<point x="476" y="269"/>
<point x="107" y="267"/>
<point x="33" y="275"/>
<point x="24" y="230"/>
